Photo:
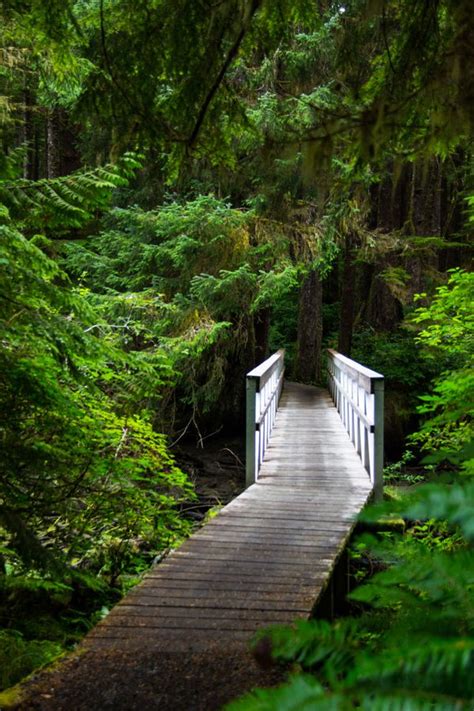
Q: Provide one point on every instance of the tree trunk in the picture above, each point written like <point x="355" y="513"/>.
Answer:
<point x="28" y="138"/>
<point x="310" y="329"/>
<point x="262" y="329"/>
<point x="346" y="312"/>
<point x="383" y="311"/>
<point x="425" y="217"/>
<point x="53" y="144"/>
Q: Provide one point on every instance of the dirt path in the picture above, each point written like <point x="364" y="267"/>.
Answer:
<point x="187" y="681"/>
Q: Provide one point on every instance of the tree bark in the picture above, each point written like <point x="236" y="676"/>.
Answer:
<point x="28" y="138"/>
<point x="53" y="144"/>
<point x="384" y="311"/>
<point x="262" y="329"/>
<point x="310" y="329"/>
<point x="425" y="218"/>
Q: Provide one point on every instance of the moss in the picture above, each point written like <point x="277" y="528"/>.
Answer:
<point x="11" y="697"/>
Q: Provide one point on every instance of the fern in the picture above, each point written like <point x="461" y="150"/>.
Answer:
<point x="66" y="202"/>
<point x="317" y="644"/>
<point x="303" y="693"/>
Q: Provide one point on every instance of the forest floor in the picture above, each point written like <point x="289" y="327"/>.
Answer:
<point x="217" y="470"/>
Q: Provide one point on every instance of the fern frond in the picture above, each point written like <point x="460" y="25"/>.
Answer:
<point x="67" y="201"/>
<point x="304" y="693"/>
<point x="317" y="643"/>
<point x="433" y="668"/>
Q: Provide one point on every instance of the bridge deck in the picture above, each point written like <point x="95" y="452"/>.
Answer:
<point x="267" y="556"/>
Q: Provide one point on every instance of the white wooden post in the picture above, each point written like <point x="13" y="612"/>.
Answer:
<point x="379" y="438"/>
<point x="250" y="449"/>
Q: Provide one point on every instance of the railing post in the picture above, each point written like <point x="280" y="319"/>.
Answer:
<point x="250" y="453"/>
<point x="378" y="438"/>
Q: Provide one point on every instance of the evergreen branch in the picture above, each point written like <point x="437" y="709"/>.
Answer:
<point x="66" y="201"/>
<point x="232" y="53"/>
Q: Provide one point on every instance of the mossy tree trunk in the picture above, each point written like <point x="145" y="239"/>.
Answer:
<point x="310" y="329"/>
<point x="53" y="144"/>
<point x="262" y="330"/>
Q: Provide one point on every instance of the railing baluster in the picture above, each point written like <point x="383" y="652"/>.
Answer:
<point x="251" y="437"/>
<point x="378" y="437"/>
<point x="358" y="394"/>
<point x="360" y="424"/>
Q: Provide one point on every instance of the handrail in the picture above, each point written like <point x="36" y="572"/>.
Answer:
<point x="264" y="386"/>
<point x="358" y="394"/>
<point x="365" y="377"/>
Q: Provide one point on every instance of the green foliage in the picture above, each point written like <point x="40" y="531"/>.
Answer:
<point x="19" y="657"/>
<point x="185" y="283"/>
<point x="63" y="203"/>
<point x="162" y="248"/>
<point x="399" y="473"/>
<point x="447" y="336"/>
<point x="85" y="483"/>
<point x="390" y="353"/>
<point x="42" y="617"/>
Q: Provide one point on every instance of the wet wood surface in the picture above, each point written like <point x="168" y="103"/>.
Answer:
<point x="267" y="556"/>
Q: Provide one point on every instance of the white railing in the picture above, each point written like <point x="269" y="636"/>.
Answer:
<point x="264" y="385"/>
<point x="358" y="394"/>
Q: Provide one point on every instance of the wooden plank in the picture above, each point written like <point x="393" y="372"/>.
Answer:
<point x="195" y="578"/>
<point x="186" y="644"/>
<point x="248" y="585"/>
<point x="288" y="494"/>
<point x="280" y="506"/>
<point x="268" y="496"/>
<point x="271" y="524"/>
<point x="280" y="513"/>
<point x="317" y="469"/>
<point x="355" y="496"/>
<point x="263" y="549"/>
<point x="243" y="602"/>
<point x="303" y="598"/>
<point x="164" y="635"/>
<point x="249" y="553"/>
<point x="255" y="557"/>
<point x="158" y="612"/>
<point x="151" y="622"/>
<point x="274" y="539"/>
<point x="251" y="570"/>
<point x="274" y="501"/>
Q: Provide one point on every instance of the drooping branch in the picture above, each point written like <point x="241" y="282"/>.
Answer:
<point x="232" y="53"/>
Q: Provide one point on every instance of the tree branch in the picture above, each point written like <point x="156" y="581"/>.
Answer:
<point x="255" y="4"/>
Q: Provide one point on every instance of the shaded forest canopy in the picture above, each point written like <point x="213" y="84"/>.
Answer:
<point x="185" y="187"/>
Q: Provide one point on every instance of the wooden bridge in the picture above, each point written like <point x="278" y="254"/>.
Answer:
<point x="313" y="459"/>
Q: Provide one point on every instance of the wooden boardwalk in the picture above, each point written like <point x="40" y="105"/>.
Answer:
<point x="267" y="556"/>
